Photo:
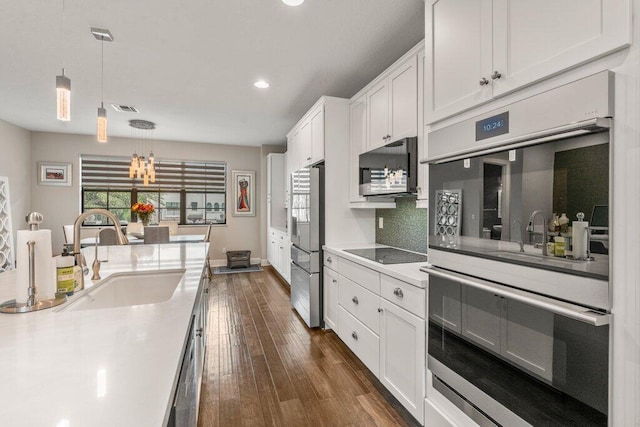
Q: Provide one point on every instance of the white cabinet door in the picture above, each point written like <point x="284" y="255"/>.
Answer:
<point x="481" y="312"/>
<point x="317" y="135"/>
<point x="285" y="261"/>
<point x="459" y="45"/>
<point x="444" y="303"/>
<point x="331" y="286"/>
<point x="402" y="357"/>
<point x="423" y="169"/>
<point x="527" y="337"/>
<point x="403" y="100"/>
<point x="357" y="144"/>
<point x="304" y="145"/>
<point x="378" y="115"/>
<point x="360" y="339"/>
<point x="532" y="40"/>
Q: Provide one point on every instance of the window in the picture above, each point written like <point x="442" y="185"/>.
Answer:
<point x="184" y="191"/>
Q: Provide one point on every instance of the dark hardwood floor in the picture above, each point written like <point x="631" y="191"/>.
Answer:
<point x="264" y="367"/>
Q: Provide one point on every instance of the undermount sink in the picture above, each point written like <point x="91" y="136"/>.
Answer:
<point x="127" y="289"/>
<point x="536" y="258"/>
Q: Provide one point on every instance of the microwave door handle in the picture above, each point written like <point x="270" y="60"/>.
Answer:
<point x="571" y="311"/>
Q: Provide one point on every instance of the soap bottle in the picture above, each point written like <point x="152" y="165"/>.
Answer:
<point x="563" y="221"/>
<point x="65" y="282"/>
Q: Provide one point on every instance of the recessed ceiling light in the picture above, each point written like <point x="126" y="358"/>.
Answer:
<point x="293" y="2"/>
<point x="261" y="84"/>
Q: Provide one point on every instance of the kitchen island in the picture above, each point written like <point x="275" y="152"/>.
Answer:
<point x="102" y="367"/>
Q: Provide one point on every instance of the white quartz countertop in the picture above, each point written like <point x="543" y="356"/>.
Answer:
<point x="407" y="272"/>
<point x="104" y="367"/>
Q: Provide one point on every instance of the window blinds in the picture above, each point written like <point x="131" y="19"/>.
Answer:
<point x="171" y="175"/>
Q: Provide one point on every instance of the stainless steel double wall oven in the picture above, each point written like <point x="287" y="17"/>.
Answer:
<point x="518" y="327"/>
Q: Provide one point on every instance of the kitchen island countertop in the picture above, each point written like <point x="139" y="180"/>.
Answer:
<point x="103" y="367"/>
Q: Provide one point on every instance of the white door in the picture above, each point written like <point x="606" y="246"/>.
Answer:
<point x="481" y="312"/>
<point x="402" y="357"/>
<point x="533" y="40"/>
<point x="304" y="144"/>
<point x="458" y="50"/>
<point x="423" y="169"/>
<point x="378" y="117"/>
<point x="527" y="337"/>
<point x="403" y="108"/>
<point x="330" y="283"/>
<point x="317" y="135"/>
<point x="357" y="144"/>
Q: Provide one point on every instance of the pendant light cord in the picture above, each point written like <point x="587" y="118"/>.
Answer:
<point x="102" y="75"/>
<point x="62" y="31"/>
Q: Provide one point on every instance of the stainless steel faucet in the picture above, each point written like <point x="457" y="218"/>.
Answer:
<point x="545" y="236"/>
<point x="521" y="241"/>
<point x="121" y="239"/>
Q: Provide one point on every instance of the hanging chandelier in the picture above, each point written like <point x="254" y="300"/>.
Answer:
<point x="142" y="167"/>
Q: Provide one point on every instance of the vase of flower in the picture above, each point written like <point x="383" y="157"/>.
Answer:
<point x="143" y="211"/>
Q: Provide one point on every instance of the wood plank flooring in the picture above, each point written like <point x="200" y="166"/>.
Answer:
<point x="265" y="368"/>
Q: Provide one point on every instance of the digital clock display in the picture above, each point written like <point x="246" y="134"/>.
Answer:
<point x="492" y="126"/>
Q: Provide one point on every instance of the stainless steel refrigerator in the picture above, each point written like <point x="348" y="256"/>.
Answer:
<point x="307" y="238"/>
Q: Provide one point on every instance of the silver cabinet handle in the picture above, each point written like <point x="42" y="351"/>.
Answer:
<point x="354" y="335"/>
<point x="308" y="158"/>
<point x="334" y="281"/>
<point x="495" y="75"/>
<point x="355" y="300"/>
<point x="484" y="81"/>
<point x="380" y="310"/>
<point x="199" y="332"/>
<point x="398" y="292"/>
<point x="329" y="259"/>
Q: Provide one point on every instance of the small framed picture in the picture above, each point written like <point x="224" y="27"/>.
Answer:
<point x="52" y="173"/>
<point x="244" y="187"/>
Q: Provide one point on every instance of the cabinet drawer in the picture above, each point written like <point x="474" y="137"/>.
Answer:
<point x="407" y="296"/>
<point x="364" y="343"/>
<point x="363" y="276"/>
<point x="330" y="260"/>
<point x="361" y="303"/>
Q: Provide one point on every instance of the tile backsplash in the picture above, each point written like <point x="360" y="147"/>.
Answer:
<point x="403" y="227"/>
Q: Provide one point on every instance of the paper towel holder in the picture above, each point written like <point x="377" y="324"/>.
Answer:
<point x="33" y="219"/>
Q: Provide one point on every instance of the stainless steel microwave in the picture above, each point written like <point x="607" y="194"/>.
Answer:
<point x="390" y="170"/>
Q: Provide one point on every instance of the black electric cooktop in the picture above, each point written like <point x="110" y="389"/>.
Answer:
<point x="388" y="255"/>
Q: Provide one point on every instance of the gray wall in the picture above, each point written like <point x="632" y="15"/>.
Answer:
<point x="61" y="205"/>
<point x="15" y="146"/>
<point x="403" y="227"/>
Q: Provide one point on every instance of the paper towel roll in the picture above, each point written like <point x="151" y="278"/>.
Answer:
<point x="44" y="267"/>
<point x="580" y="238"/>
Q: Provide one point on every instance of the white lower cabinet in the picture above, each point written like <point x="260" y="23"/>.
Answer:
<point x="360" y="339"/>
<point x="330" y="295"/>
<point x="279" y="253"/>
<point x="402" y="357"/>
<point x="381" y="319"/>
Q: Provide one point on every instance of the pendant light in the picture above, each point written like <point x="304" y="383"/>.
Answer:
<point x="102" y="35"/>
<point x="142" y="167"/>
<point x="63" y="87"/>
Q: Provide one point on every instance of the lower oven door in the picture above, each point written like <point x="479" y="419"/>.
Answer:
<point x="516" y="358"/>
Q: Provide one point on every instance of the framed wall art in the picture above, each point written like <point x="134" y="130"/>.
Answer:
<point x="244" y="187"/>
<point x="52" y="173"/>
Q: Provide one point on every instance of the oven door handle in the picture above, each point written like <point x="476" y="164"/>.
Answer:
<point x="572" y="311"/>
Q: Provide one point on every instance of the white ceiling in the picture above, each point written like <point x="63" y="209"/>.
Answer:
<point x="190" y="65"/>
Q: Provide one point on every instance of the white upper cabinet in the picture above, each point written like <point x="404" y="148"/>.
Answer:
<point x="307" y="138"/>
<point x="378" y="103"/>
<point x="403" y="100"/>
<point x="317" y="135"/>
<point x="393" y="105"/>
<point x="357" y="144"/>
<point x="480" y="49"/>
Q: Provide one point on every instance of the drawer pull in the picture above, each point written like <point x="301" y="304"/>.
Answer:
<point x="354" y="335"/>
<point x="334" y="280"/>
<point x="329" y="259"/>
<point x="398" y="292"/>
<point x="380" y="310"/>
<point x="355" y="300"/>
